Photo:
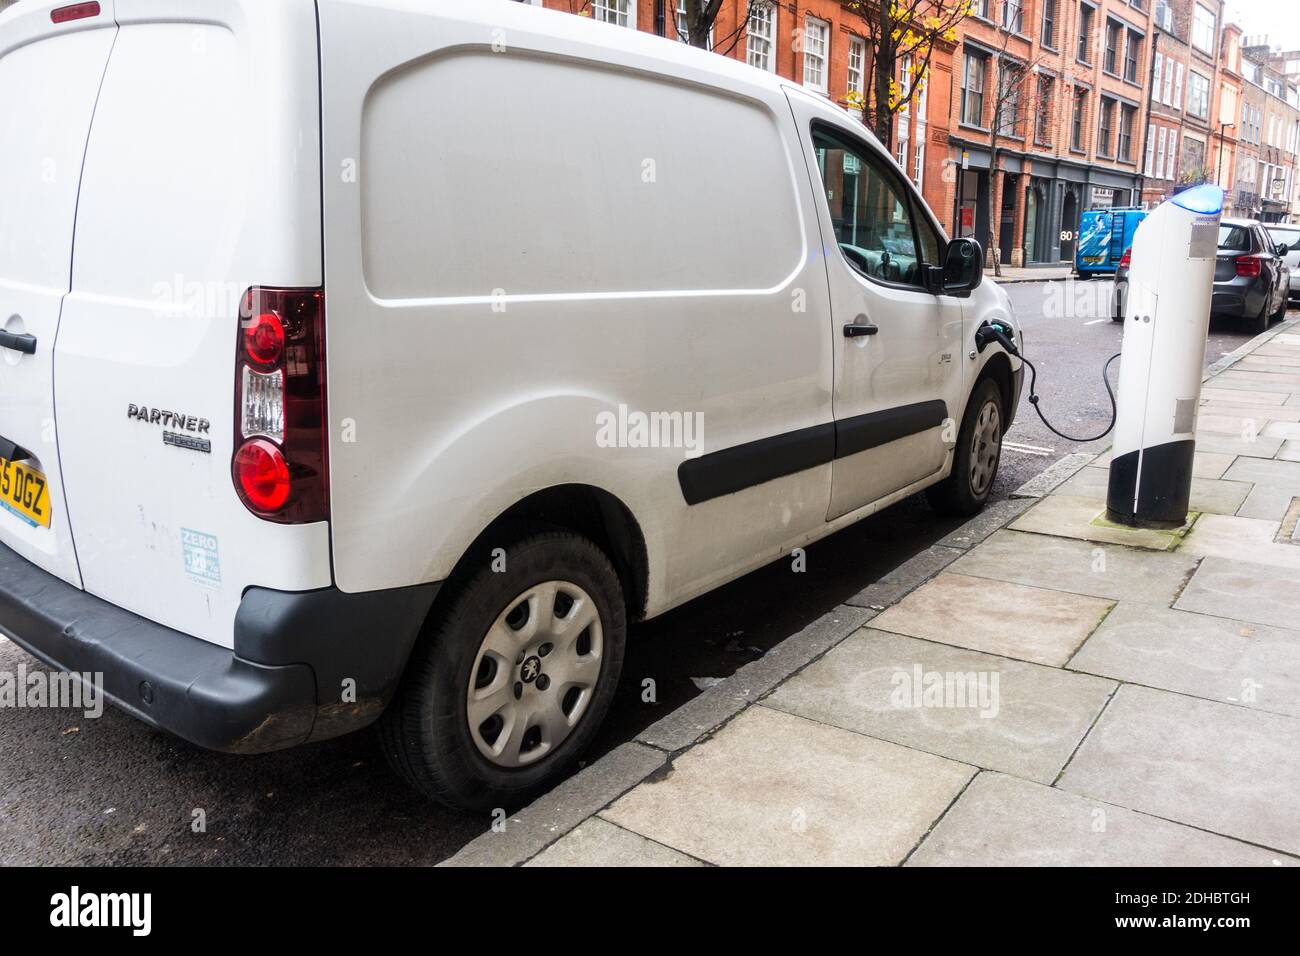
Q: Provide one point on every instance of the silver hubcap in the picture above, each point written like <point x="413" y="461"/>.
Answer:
<point x="535" y="674"/>
<point x="985" y="448"/>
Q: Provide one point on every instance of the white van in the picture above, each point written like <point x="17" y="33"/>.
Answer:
<point x="380" y="360"/>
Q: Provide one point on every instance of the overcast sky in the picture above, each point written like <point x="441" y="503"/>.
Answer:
<point x="1276" y="18"/>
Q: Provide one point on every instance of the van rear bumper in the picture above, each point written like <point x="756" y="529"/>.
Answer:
<point x="306" y="666"/>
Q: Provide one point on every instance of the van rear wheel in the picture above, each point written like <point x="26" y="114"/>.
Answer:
<point x="976" y="457"/>
<point x="511" y="681"/>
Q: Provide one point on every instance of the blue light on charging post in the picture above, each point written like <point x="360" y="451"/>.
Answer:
<point x="1206" y="199"/>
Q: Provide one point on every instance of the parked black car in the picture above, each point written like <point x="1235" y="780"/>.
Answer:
<point x="1251" y="280"/>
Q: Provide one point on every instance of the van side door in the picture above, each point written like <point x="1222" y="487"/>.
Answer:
<point x="898" y="363"/>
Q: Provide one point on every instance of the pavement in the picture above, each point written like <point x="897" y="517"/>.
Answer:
<point x="1036" y="687"/>
<point x="1031" y="273"/>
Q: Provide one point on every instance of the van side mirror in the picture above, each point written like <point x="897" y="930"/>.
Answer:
<point x="1281" y="249"/>
<point x="963" y="267"/>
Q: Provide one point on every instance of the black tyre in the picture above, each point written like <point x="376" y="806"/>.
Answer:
<point x="1261" y="321"/>
<point x="976" y="457"/>
<point x="512" y="679"/>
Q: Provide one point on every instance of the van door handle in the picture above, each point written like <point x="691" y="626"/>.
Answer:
<point x="19" y="343"/>
<point x="860" y="327"/>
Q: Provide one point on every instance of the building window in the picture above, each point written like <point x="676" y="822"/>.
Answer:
<point x="918" y="170"/>
<point x="1049" y="24"/>
<point x="815" y="35"/>
<point x="972" y="90"/>
<point x="760" y="37"/>
<point x="1084" y="54"/>
<point x="1159" y="171"/>
<point x="1156" y="73"/>
<point x="1203" y="23"/>
<point x="857" y="54"/>
<point x="1104" y="127"/>
<point x="1198" y="95"/>
<point x="1043" y="118"/>
<point x="1148" y="164"/>
<point x="618" y="12"/>
<point x="1164" y="16"/>
<point x="1110" y="63"/>
<point x="1127" y="115"/>
<point x="1173" y="154"/>
<point x="1076" y="119"/>
<point x="1132" y="56"/>
<point x="1177" y="101"/>
<point x="1011" y="80"/>
<point x="1013" y="15"/>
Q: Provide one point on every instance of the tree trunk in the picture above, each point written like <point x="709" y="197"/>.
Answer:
<point x="995" y="210"/>
<point x="883" y="72"/>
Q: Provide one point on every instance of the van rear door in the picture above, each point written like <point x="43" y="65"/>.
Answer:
<point x="201" y="180"/>
<point x="50" y="72"/>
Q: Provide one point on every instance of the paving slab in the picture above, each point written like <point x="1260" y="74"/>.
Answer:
<point x="1267" y="501"/>
<point x="1241" y="539"/>
<point x="775" y="789"/>
<point x="1081" y="567"/>
<point x="600" y="843"/>
<point x="1268" y="363"/>
<point x="1262" y="471"/>
<point x="1242" y="396"/>
<point x="1208" y="494"/>
<point x="976" y="708"/>
<point x="1275" y="413"/>
<point x="1290" y="450"/>
<point x="1254" y="593"/>
<point x="1258" y="446"/>
<point x="1227" y="769"/>
<point x="1002" y="821"/>
<point x="1027" y="623"/>
<point x="1073" y="517"/>
<point x="1250" y="382"/>
<point x="1211" y="657"/>
<point x="1284" y="430"/>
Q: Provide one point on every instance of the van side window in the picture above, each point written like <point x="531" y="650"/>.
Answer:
<point x="871" y="213"/>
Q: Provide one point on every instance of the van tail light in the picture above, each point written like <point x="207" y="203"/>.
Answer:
<point x="1248" y="267"/>
<point x="281" y="462"/>
<point x="1126" y="260"/>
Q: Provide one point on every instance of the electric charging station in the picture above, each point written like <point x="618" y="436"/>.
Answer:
<point x="1166" y="323"/>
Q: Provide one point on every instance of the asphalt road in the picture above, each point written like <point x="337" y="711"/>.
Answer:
<point x="112" y="791"/>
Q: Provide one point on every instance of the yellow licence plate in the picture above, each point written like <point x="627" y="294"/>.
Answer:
<point x="25" y="493"/>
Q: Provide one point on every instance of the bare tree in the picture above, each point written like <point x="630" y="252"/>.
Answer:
<point x="1013" y="103"/>
<point x="701" y="17"/>
<point x="902" y="32"/>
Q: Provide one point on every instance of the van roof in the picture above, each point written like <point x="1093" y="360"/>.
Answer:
<point x="510" y="14"/>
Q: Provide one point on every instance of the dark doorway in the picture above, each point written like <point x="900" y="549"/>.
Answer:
<point x="1069" y="224"/>
<point x="1007" y="217"/>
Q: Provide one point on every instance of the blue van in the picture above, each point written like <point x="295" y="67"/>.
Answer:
<point x="1104" y="234"/>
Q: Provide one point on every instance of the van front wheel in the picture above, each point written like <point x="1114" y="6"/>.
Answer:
<point x="976" y="457"/>
<point x="512" y="680"/>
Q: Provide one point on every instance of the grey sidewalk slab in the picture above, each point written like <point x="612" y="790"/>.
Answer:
<point x="1267" y="501"/>
<point x="1210" y="657"/>
<point x="1240" y="539"/>
<point x="905" y="578"/>
<point x="1004" y="821"/>
<point x="724" y="700"/>
<point x="774" y="789"/>
<point x="1005" y="715"/>
<point x="598" y="842"/>
<point x="1081" y="567"/>
<point x="1208" y="494"/>
<point x="1256" y="593"/>
<point x="1071" y="517"/>
<point x="1222" y="768"/>
<point x="1210" y="393"/>
<point x="1026" y="623"/>
<point x="1261" y="446"/>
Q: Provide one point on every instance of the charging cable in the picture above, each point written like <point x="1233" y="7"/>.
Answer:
<point x="1001" y="333"/>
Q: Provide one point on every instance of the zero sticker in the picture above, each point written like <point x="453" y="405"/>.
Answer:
<point x="202" y="557"/>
